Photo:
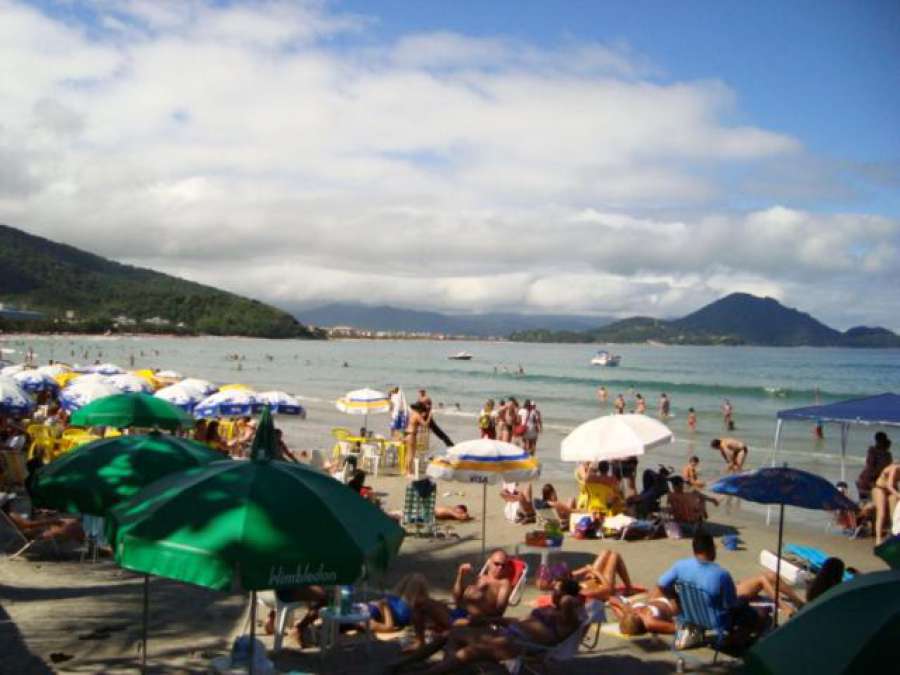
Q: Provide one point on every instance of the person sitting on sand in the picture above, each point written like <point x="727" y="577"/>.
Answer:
<point x="549" y="499"/>
<point x="687" y="507"/>
<point x="315" y="596"/>
<point x="459" y="512"/>
<point x="691" y="474"/>
<point x="733" y="451"/>
<point x="508" y="638"/>
<point x="598" y="580"/>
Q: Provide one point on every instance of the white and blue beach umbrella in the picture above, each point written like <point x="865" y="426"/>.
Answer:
<point x="14" y="401"/>
<point x="34" y="381"/>
<point x="282" y="403"/>
<point x="230" y="403"/>
<point x="485" y="461"/>
<point x="54" y="370"/>
<point x="107" y="369"/>
<point x="203" y="388"/>
<point x="183" y="397"/>
<point x="130" y="384"/>
<point x="168" y="375"/>
<point x="79" y="394"/>
<point x="12" y="370"/>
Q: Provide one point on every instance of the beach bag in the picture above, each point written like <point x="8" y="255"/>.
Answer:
<point x="585" y="528"/>
<point x="550" y="574"/>
<point x="519" y="430"/>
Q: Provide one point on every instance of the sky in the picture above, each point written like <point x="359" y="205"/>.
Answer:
<point x="611" y="158"/>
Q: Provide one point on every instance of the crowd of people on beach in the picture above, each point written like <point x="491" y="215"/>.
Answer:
<point x="512" y="423"/>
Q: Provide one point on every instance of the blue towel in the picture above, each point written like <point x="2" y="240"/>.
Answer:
<point x="814" y="557"/>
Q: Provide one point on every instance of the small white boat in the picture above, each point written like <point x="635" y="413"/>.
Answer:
<point x="604" y="358"/>
<point x="460" y="356"/>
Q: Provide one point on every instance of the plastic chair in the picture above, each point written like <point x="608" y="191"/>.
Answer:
<point x="371" y="456"/>
<point x="283" y="612"/>
<point x="517" y="572"/>
<point x="550" y="658"/>
<point x="343" y="446"/>
<point x="42" y="438"/>
<point x="418" y="511"/>
<point x="700" y="609"/>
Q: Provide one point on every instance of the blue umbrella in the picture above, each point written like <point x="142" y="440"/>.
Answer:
<point x="34" y="381"/>
<point x="783" y="486"/>
<point x="13" y="399"/>
<point x="229" y="403"/>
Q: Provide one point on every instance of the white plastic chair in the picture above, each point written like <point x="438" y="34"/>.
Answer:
<point x="283" y="612"/>
<point x="371" y="456"/>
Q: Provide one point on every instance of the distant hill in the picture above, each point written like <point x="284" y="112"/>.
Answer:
<point x="386" y="318"/>
<point x="52" y="278"/>
<point x="739" y="318"/>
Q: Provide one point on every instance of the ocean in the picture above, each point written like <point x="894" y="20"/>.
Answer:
<point x="758" y="381"/>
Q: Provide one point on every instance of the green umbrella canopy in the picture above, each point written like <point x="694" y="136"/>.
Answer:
<point x="131" y="410"/>
<point x="253" y="525"/>
<point x="852" y="628"/>
<point x="98" y="475"/>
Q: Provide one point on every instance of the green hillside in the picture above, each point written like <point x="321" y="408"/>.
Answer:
<point x="736" y="319"/>
<point x="52" y="278"/>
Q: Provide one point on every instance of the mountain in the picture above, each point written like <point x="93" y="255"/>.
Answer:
<point x="81" y="292"/>
<point x="739" y="318"/>
<point x="386" y="318"/>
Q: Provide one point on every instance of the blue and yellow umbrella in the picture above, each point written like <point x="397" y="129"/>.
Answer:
<point x="485" y="461"/>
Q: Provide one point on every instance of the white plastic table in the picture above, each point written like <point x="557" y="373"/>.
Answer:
<point x="332" y="620"/>
<point x="543" y="551"/>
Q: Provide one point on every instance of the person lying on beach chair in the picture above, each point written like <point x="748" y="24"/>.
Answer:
<point x="655" y="615"/>
<point x="598" y="580"/>
<point x="505" y="639"/>
<point x="54" y="529"/>
<point x="484" y="599"/>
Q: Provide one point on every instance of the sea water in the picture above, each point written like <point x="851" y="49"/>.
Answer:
<point x="758" y="381"/>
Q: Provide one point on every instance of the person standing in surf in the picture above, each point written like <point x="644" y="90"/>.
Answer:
<point x="728" y="415"/>
<point x="619" y="405"/>
<point x="664" y="406"/>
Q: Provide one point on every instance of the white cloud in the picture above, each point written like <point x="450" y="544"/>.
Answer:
<point x="239" y="146"/>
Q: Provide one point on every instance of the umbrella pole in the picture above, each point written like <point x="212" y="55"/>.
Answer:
<point x="778" y="562"/>
<point x="252" y="628"/>
<point x="146" y="621"/>
<point x="483" y="517"/>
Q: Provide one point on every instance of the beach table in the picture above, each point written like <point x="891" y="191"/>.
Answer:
<point x="543" y="551"/>
<point x="332" y="620"/>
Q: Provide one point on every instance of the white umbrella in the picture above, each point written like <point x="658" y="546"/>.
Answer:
<point x="79" y="394"/>
<point x="89" y="378"/>
<point x="14" y="400"/>
<point x="35" y="380"/>
<point x="168" y="375"/>
<point x="614" y="437"/>
<point x="54" y="370"/>
<point x="363" y="402"/>
<point x="202" y="387"/>
<point x="12" y="370"/>
<point x="182" y="397"/>
<point x="126" y="382"/>
<point x="485" y="461"/>
<point x="107" y="369"/>
<point x="282" y="403"/>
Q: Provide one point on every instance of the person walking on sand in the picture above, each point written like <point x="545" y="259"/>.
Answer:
<point x="619" y="405"/>
<point x="399" y="412"/>
<point x="486" y="420"/>
<point x="664" y="406"/>
<point x="425" y="400"/>
<point x="534" y="425"/>
<point x="733" y="451"/>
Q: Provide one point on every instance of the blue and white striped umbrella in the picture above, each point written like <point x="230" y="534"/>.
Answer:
<point x="54" y="370"/>
<point x="183" y="397"/>
<point x="14" y="401"/>
<point x="203" y="388"/>
<point x="230" y="403"/>
<point x="34" y="380"/>
<point x="77" y="395"/>
<point x="282" y="403"/>
<point x="130" y="384"/>
<point x="107" y="369"/>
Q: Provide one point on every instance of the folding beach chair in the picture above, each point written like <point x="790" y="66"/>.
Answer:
<point x="517" y="572"/>
<point x="551" y="658"/>
<point x="700" y="611"/>
<point x="418" y="506"/>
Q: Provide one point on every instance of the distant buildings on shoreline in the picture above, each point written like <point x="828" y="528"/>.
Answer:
<point x="351" y="332"/>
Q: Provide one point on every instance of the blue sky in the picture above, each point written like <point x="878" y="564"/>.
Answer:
<point x="587" y="157"/>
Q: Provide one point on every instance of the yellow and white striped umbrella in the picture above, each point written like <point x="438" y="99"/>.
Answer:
<point x="363" y="402"/>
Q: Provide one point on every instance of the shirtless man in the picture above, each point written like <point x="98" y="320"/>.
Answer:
<point x="602" y="396"/>
<point x="691" y="475"/>
<point x="733" y="451"/>
<point x="619" y="404"/>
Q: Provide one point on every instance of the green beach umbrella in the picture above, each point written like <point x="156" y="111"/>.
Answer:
<point x="98" y="475"/>
<point x="131" y="410"/>
<point x="252" y="525"/>
<point x="852" y="628"/>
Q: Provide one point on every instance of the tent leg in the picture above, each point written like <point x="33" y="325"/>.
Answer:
<point x="845" y="433"/>
<point x="146" y="621"/>
<point x="778" y="562"/>
<point x="775" y="447"/>
<point x="483" y="518"/>
<point x="252" y="628"/>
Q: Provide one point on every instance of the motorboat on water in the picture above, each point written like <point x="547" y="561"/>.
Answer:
<point x="460" y="356"/>
<point x="604" y="358"/>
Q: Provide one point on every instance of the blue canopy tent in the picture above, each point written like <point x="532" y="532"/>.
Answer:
<point x="882" y="410"/>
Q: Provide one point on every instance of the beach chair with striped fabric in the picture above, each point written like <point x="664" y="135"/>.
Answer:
<point x="418" y="506"/>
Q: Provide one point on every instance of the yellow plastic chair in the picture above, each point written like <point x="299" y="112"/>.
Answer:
<point x="226" y="430"/>
<point x="42" y="438"/>
<point x="342" y="446"/>
<point x="599" y="498"/>
<point x="112" y="432"/>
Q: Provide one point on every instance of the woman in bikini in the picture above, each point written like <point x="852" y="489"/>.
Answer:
<point x="885" y="495"/>
<point x="598" y="580"/>
<point x="418" y="420"/>
<point x="655" y="615"/>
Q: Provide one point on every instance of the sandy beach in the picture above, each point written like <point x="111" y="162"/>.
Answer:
<point x="91" y="612"/>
